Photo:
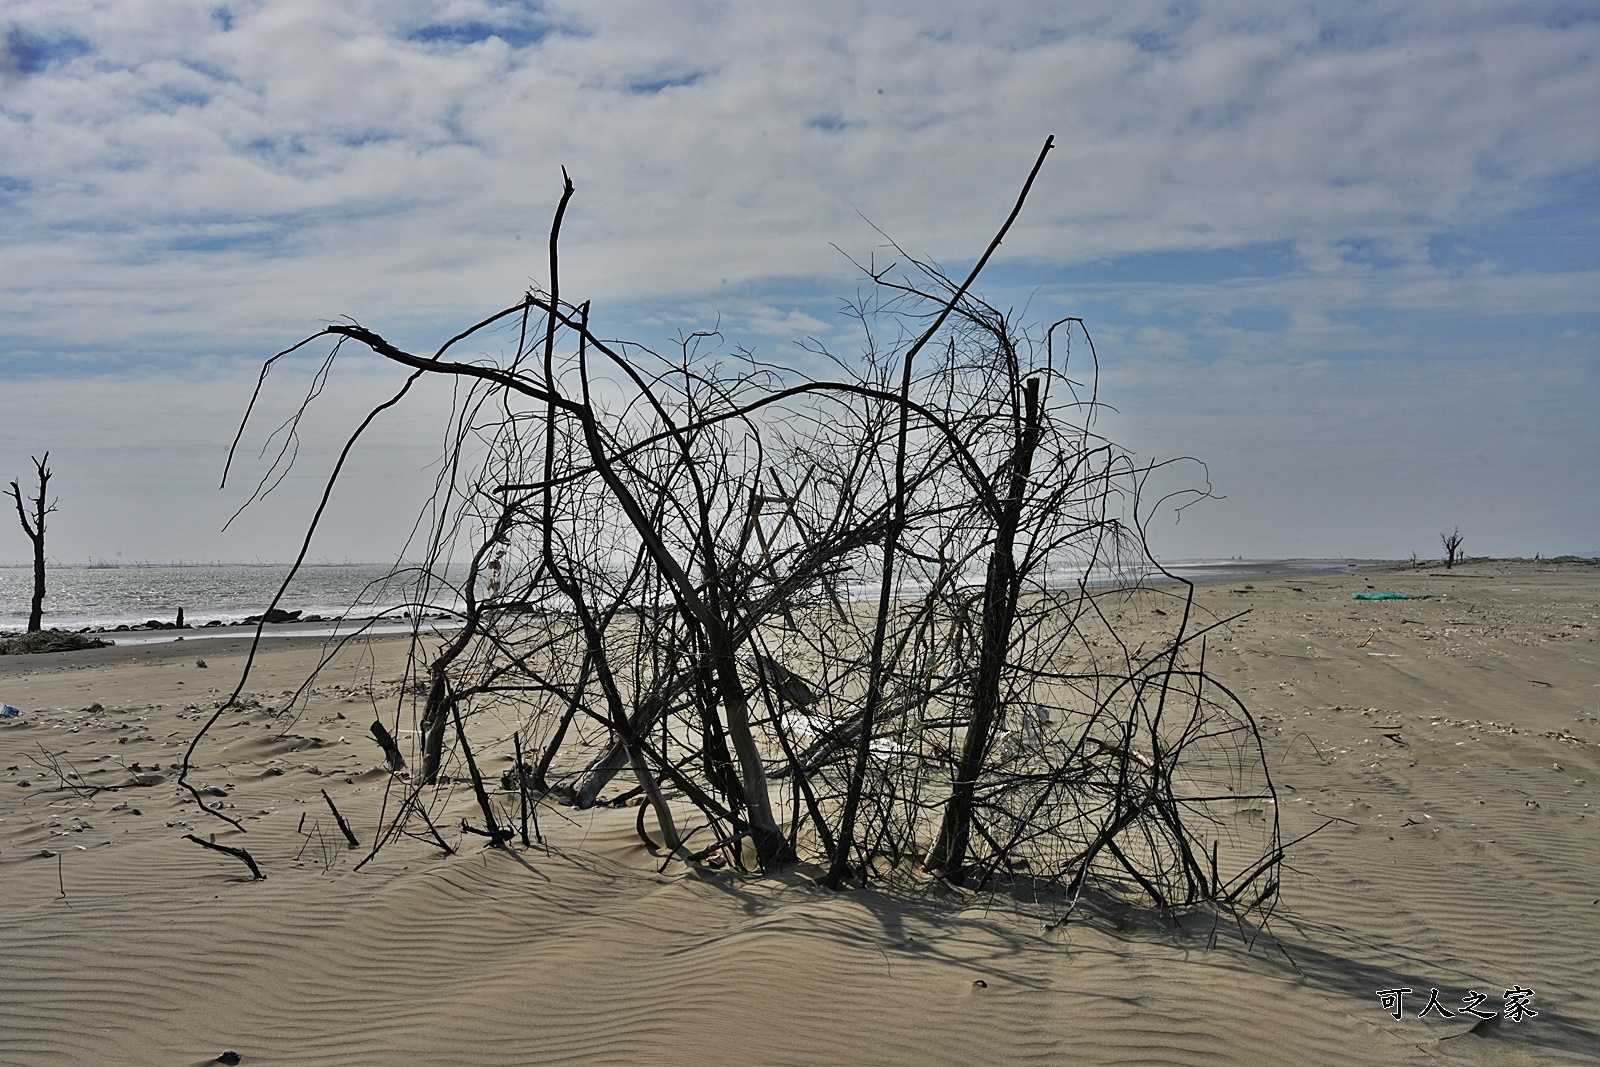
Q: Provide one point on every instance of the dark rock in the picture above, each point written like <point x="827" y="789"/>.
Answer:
<point x="48" y="641"/>
<point x="273" y="615"/>
<point x="511" y="780"/>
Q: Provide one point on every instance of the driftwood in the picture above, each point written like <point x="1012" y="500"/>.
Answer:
<point x="870" y="621"/>
<point x="344" y="827"/>
<point x="237" y="853"/>
<point x="391" y="751"/>
<point x="647" y="712"/>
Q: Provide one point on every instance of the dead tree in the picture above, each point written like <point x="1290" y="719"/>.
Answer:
<point x="1452" y="547"/>
<point x="34" y="528"/>
<point x="870" y="620"/>
<point x="1000" y="592"/>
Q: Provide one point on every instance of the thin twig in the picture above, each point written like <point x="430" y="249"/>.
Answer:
<point x="344" y="827"/>
<point x="237" y="853"/>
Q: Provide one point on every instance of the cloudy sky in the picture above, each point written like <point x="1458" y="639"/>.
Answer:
<point x="1346" y="253"/>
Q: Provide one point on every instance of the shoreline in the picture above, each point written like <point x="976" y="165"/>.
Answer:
<point x="322" y="630"/>
<point x="138" y="620"/>
<point x="1206" y="575"/>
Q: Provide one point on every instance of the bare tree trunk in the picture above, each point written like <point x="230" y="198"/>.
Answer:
<point x="1452" y="547"/>
<point x="771" y="845"/>
<point x="840" y="865"/>
<point x="36" y="609"/>
<point x="441" y="701"/>
<point x="35" y="532"/>
<point x="949" y="856"/>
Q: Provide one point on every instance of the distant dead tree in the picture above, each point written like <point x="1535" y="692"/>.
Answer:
<point x="34" y="528"/>
<point x="1452" y="547"/>
<point x="874" y="620"/>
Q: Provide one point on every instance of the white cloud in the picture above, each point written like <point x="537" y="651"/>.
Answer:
<point x="786" y="324"/>
<point x="188" y="182"/>
<point x="323" y="127"/>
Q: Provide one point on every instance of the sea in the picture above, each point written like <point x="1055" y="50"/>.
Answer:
<point x="104" y="596"/>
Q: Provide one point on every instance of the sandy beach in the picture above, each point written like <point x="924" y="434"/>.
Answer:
<point x="1446" y="746"/>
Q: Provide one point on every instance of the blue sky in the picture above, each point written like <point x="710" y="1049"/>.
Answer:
<point x="1346" y="254"/>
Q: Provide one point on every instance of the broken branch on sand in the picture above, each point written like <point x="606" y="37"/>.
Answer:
<point x="237" y="853"/>
<point x="344" y="827"/>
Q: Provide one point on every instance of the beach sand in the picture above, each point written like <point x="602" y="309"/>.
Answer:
<point x="1451" y="741"/>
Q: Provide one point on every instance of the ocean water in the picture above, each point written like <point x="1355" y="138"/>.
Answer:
<point x="102" y="596"/>
<point x="1194" y="570"/>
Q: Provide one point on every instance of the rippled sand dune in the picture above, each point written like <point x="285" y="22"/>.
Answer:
<point x="1446" y="745"/>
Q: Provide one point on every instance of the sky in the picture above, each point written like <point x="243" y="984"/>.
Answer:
<point x="1345" y="254"/>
